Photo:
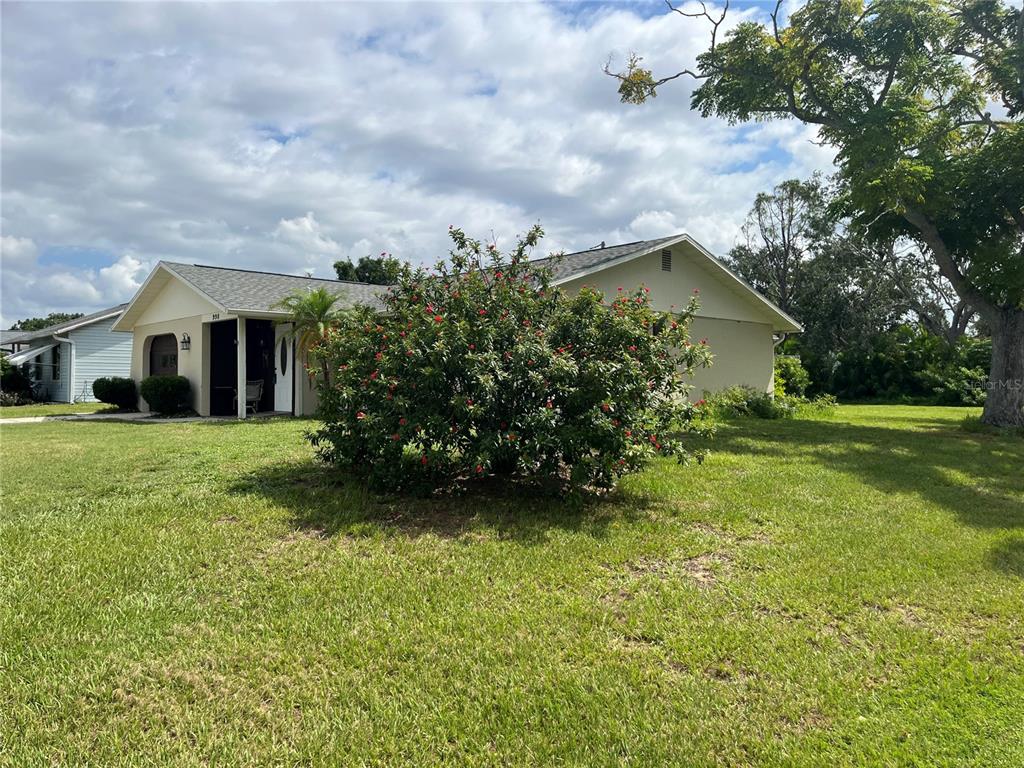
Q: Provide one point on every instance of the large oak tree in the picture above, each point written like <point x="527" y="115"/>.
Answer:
<point x="922" y="100"/>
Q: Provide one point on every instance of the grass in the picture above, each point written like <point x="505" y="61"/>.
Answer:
<point x="52" y="409"/>
<point x="840" y="591"/>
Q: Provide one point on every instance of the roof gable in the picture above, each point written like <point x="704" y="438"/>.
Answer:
<point x="240" y="291"/>
<point x="576" y="266"/>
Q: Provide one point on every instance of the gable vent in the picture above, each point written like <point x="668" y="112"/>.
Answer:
<point x="666" y="260"/>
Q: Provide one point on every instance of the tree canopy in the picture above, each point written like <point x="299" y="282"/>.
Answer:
<point x="38" y="323"/>
<point x="376" y="270"/>
<point x="922" y="99"/>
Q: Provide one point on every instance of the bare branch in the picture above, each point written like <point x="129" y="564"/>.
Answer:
<point x="775" y="23"/>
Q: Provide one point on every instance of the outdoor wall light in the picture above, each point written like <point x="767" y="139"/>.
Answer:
<point x="186" y="342"/>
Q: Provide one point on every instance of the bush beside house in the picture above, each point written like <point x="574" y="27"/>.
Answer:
<point x="117" y="391"/>
<point x="167" y="395"/>
<point x="15" y="387"/>
<point x="483" y="368"/>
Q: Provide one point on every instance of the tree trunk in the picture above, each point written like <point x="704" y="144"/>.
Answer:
<point x="1004" y="404"/>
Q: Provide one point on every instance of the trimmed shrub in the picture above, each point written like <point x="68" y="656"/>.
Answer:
<point x="13" y="381"/>
<point x="117" y="391"/>
<point x="484" y="368"/>
<point x="167" y="395"/>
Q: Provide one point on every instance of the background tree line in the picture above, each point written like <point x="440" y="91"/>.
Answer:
<point x="923" y="102"/>
<point x="880" y="321"/>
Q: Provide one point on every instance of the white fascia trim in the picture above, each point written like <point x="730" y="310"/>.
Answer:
<point x="797" y="328"/>
<point x="195" y="287"/>
<point x="90" y="321"/>
<point x="259" y="314"/>
<point x="160" y="266"/>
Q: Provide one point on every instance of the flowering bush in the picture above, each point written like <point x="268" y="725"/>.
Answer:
<point x="484" y="368"/>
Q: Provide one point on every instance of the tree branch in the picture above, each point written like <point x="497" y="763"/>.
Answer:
<point x="947" y="264"/>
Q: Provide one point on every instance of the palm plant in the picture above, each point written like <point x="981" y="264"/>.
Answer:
<point x="312" y="313"/>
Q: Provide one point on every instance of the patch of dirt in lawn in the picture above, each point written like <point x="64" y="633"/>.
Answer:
<point x="615" y="601"/>
<point x="638" y="640"/>
<point x="729" y="672"/>
<point x="811" y="720"/>
<point x="703" y="569"/>
<point x="780" y="612"/>
<point x="305" y="543"/>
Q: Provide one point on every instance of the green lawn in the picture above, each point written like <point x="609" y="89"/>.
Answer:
<point x="52" y="409"/>
<point x="843" y="591"/>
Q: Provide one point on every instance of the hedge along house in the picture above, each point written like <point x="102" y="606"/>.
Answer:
<point x="222" y="330"/>
<point x="63" y="360"/>
<point x="741" y="326"/>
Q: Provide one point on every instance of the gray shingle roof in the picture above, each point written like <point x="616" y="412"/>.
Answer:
<point x="25" y="336"/>
<point x="248" y="291"/>
<point x="9" y="337"/>
<point x="574" y="263"/>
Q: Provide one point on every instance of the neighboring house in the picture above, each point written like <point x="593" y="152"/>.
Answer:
<point x="63" y="360"/>
<point x="221" y="328"/>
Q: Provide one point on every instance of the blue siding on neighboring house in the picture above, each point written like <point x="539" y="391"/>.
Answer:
<point x="99" y="352"/>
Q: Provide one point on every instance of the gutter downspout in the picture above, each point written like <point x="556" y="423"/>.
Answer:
<point x="71" y="367"/>
<point x="782" y="337"/>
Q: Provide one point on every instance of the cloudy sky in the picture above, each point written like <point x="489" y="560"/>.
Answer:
<point x="286" y="136"/>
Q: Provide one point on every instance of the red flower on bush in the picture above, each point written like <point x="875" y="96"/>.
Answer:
<point x="438" y="319"/>
<point x="360" y="415"/>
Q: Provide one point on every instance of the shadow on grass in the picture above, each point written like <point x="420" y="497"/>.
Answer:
<point x="977" y="477"/>
<point x="323" y="500"/>
<point x="1008" y="557"/>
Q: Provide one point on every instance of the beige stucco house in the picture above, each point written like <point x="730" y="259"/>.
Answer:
<point x="740" y="325"/>
<point x="221" y="328"/>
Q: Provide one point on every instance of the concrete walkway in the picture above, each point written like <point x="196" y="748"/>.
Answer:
<point x="146" y="418"/>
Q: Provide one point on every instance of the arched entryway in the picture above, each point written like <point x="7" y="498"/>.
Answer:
<point x="163" y="355"/>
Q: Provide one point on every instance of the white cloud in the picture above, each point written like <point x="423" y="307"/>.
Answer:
<point x="123" y="277"/>
<point x="17" y="252"/>
<point x="293" y="135"/>
<point x="304" y="233"/>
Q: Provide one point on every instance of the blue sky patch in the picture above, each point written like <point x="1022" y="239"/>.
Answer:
<point x="76" y="256"/>
<point x="280" y="135"/>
